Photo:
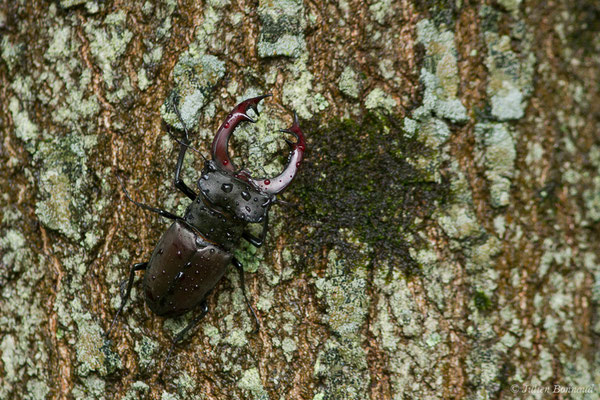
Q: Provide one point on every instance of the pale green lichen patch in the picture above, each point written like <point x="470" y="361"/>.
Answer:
<point x="377" y="98"/>
<point x="91" y="388"/>
<point x="10" y="360"/>
<point x="349" y="83"/>
<point x="381" y="10"/>
<point x="168" y="396"/>
<point x="459" y="222"/>
<point x="147" y="350"/>
<point x="499" y="151"/>
<point x="143" y="81"/>
<point x="510" y="5"/>
<point x="299" y="93"/>
<point x="196" y="74"/>
<point x="412" y="334"/>
<point x="510" y="74"/>
<point x="89" y="345"/>
<point x="23" y="311"/>
<point x="345" y="295"/>
<point x="25" y="129"/>
<point x="136" y="391"/>
<point x="75" y="110"/>
<point x="342" y="362"/>
<point x="152" y="56"/>
<point x="282" y="26"/>
<point x="250" y="382"/>
<point x="440" y="74"/>
<point x="185" y="385"/>
<point x="433" y="132"/>
<point x="236" y="338"/>
<point x="37" y="389"/>
<point x="11" y="52"/>
<point x="14" y="252"/>
<point x="289" y="347"/>
<point x="108" y="42"/>
<point x="20" y="320"/>
<point x="64" y="205"/>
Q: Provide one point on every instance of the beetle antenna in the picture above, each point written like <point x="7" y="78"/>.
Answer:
<point x="185" y="130"/>
<point x="160" y="212"/>
<point x="286" y="203"/>
<point x="186" y="145"/>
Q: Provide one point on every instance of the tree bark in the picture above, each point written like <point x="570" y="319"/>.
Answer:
<point x="442" y="240"/>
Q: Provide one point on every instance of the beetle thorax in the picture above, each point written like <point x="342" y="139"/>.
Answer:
<point x="233" y="195"/>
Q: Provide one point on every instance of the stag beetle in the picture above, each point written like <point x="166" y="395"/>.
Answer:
<point x="193" y="254"/>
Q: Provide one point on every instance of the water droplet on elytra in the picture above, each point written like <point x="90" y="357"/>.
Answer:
<point x="227" y="187"/>
<point x="160" y="251"/>
<point x="164" y="272"/>
<point x="153" y="277"/>
<point x="187" y="264"/>
<point x="179" y="276"/>
<point x="248" y="209"/>
<point x="212" y="251"/>
<point x="245" y="195"/>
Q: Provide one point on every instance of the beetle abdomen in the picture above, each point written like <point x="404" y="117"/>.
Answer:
<point x="183" y="269"/>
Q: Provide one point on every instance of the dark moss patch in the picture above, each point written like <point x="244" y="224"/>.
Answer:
<point x="356" y="177"/>
<point x="482" y="302"/>
<point x="582" y="34"/>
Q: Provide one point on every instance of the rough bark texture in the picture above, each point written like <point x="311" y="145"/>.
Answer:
<point x="446" y="239"/>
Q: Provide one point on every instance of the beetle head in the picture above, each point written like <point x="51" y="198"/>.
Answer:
<point x="220" y="155"/>
<point x="234" y="195"/>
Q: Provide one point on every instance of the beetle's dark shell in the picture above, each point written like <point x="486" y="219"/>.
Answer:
<point x="183" y="269"/>
<point x="234" y="195"/>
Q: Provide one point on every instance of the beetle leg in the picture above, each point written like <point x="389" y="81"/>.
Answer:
<point x="179" y="183"/>
<point x="127" y="292"/>
<point x="238" y="265"/>
<point x="179" y="337"/>
<point x="253" y="240"/>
